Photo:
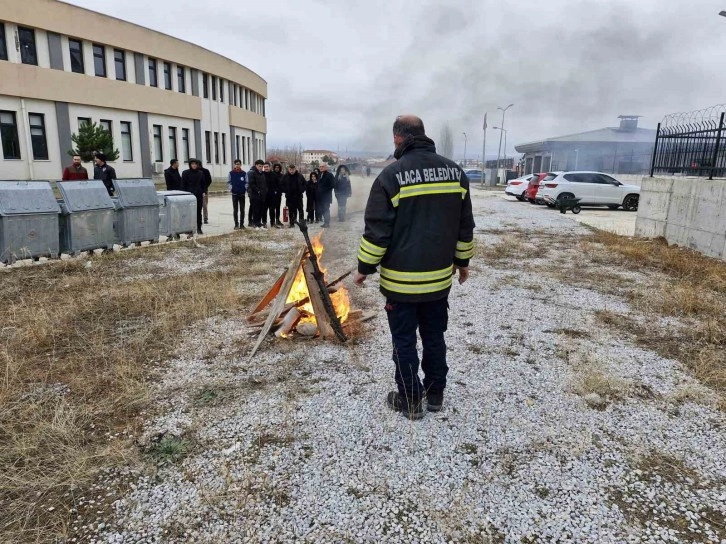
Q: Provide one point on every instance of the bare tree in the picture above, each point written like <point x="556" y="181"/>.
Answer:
<point x="446" y="142"/>
<point x="287" y="155"/>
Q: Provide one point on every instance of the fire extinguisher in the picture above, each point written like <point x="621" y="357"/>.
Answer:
<point x="285" y="215"/>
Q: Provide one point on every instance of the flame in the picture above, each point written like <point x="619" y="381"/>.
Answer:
<point x="299" y="291"/>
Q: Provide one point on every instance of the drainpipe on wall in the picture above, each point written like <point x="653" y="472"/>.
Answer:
<point x="28" y="139"/>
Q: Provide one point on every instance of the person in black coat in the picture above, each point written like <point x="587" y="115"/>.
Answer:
<point x="257" y="191"/>
<point x="193" y="181"/>
<point x="205" y="198"/>
<point x="104" y="172"/>
<point x="326" y="184"/>
<point x="311" y="192"/>
<point x="172" y="176"/>
<point x="293" y="184"/>
<point x="275" y="189"/>
<point x="343" y="190"/>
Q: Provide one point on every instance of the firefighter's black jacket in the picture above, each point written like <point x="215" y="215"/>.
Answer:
<point x="418" y="224"/>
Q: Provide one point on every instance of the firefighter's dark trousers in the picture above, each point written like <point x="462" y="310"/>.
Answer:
<point x="430" y="318"/>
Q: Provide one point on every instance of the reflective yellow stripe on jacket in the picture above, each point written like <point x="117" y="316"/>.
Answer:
<point x="416" y="283"/>
<point x="421" y="189"/>
<point x="464" y="250"/>
<point x="370" y="253"/>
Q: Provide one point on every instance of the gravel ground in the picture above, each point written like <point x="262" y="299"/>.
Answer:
<point x="297" y="445"/>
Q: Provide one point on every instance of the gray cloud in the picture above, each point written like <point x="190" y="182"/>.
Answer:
<point x="339" y="72"/>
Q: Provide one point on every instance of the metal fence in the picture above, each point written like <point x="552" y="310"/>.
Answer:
<point x="691" y="144"/>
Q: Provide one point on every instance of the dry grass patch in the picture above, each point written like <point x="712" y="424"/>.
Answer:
<point x="77" y="348"/>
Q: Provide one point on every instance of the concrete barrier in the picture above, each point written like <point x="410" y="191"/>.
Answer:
<point x="686" y="211"/>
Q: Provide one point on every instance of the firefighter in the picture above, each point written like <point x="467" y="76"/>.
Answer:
<point x="419" y="229"/>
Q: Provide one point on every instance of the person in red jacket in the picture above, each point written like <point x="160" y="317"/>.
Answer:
<point x="75" y="171"/>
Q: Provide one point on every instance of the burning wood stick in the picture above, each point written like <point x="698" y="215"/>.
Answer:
<point x="291" y="319"/>
<point x="321" y="315"/>
<point x="279" y="300"/>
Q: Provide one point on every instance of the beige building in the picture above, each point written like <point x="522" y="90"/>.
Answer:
<point x="311" y="155"/>
<point x="160" y="97"/>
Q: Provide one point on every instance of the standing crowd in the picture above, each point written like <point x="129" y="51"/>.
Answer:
<point x="265" y="185"/>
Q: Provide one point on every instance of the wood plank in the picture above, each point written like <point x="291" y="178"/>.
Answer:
<point x="280" y="299"/>
<point x="321" y="316"/>
<point x="271" y="294"/>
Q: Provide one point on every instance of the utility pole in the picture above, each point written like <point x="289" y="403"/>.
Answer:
<point x="464" y="133"/>
<point x="499" y="153"/>
<point x="484" y="150"/>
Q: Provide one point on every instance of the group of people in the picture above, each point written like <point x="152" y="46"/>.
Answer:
<point x="101" y="170"/>
<point x="195" y="180"/>
<point x="265" y="185"/>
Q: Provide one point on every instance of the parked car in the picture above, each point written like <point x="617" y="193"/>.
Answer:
<point x="592" y="188"/>
<point x="474" y="176"/>
<point x="518" y="187"/>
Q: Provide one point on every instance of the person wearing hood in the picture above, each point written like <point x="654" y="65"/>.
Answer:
<point x="311" y="192"/>
<point x="419" y="228"/>
<point x="237" y="185"/>
<point x="104" y="172"/>
<point x="275" y="189"/>
<point x="343" y="190"/>
<point x="326" y="184"/>
<point x="293" y="183"/>
<point x="257" y="191"/>
<point x="193" y="181"/>
<point x="172" y="176"/>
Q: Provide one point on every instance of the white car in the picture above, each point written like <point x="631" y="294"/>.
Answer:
<point x="518" y="187"/>
<point x="592" y="188"/>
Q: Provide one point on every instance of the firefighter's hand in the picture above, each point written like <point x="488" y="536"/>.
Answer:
<point x="463" y="273"/>
<point x="359" y="278"/>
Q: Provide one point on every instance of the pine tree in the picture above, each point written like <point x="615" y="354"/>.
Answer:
<point x="90" y="139"/>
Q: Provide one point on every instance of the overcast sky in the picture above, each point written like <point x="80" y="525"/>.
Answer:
<point x="338" y="72"/>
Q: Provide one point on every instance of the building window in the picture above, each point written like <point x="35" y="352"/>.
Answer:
<point x="237" y="148"/>
<point x="106" y="125"/>
<point x="3" y="43"/>
<point x="205" y="85"/>
<point x="152" y="73"/>
<point x="249" y="150"/>
<point x="263" y="106"/>
<point x="172" y="143"/>
<point x="167" y="76"/>
<point x="221" y="90"/>
<point x="234" y="94"/>
<point x="208" y="145"/>
<point x="75" y="48"/>
<point x="9" y="135"/>
<point x="28" y="53"/>
<point x="224" y="148"/>
<point x="37" y="136"/>
<point x="119" y="60"/>
<point x="127" y="152"/>
<point x="185" y="143"/>
<point x="214" y="87"/>
<point x="99" y="60"/>
<point x="158" y="148"/>
<point x="181" y="85"/>
<point x="83" y="121"/>
<point x="216" y="148"/>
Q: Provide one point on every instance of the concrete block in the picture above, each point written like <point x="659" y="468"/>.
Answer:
<point x="654" y="205"/>
<point x="649" y="228"/>
<point x="656" y="185"/>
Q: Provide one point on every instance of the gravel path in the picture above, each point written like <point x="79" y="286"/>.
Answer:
<point x="299" y="447"/>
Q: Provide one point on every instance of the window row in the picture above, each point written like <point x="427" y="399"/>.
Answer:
<point x="158" y="137"/>
<point x="159" y="72"/>
<point x="127" y="150"/>
<point x="11" y="140"/>
<point x="242" y="97"/>
<point x="208" y="147"/>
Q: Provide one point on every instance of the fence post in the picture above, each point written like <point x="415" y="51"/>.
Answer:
<point x="716" y="148"/>
<point x="655" y="151"/>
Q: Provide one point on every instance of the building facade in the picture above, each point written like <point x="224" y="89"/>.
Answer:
<point x="626" y="149"/>
<point x="160" y="97"/>
<point x="311" y="155"/>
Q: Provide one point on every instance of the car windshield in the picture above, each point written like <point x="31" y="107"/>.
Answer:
<point x="549" y="177"/>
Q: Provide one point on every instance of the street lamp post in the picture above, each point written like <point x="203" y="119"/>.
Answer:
<point x="464" y="133"/>
<point x="499" y="153"/>
<point x="505" y="143"/>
